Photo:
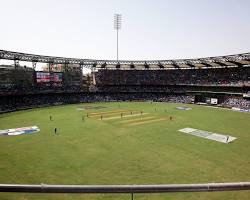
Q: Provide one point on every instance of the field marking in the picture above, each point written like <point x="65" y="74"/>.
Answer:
<point x="208" y="135"/>
<point x="119" y="117"/>
<point x="112" y="112"/>
<point x="146" y="122"/>
<point x="138" y="119"/>
<point x="106" y="115"/>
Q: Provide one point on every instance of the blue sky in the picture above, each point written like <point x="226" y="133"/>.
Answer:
<point x="151" y="29"/>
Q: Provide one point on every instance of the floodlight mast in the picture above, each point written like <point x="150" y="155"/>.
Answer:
<point x="117" y="27"/>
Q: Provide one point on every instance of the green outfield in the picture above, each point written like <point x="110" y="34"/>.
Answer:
<point x="125" y="143"/>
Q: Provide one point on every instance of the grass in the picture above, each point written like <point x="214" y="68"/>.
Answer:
<point x="107" y="152"/>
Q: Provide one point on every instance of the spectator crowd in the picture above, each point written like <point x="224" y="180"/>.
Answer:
<point x="234" y="76"/>
<point x="16" y="102"/>
<point x="11" y="103"/>
<point x="234" y="102"/>
<point x="122" y="85"/>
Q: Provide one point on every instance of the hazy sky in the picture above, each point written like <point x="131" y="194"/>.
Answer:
<point x="151" y="29"/>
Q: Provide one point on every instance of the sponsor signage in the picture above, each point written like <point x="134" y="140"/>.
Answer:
<point x="20" y="131"/>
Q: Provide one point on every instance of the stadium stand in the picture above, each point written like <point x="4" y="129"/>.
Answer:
<point x="233" y="76"/>
<point x="237" y="102"/>
<point x="224" y="78"/>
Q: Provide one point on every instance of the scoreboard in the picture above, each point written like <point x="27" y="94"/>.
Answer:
<point x="49" y="77"/>
<point x="53" y="78"/>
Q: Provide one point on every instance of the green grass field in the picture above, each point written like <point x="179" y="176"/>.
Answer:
<point x="137" y="149"/>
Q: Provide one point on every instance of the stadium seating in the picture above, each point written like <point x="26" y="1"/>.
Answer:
<point x="19" y="90"/>
<point x="234" y="76"/>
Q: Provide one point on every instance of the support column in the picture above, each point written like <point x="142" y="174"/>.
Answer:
<point x="93" y="75"/>
<point x="50" y="67"/>
<point x="81" y="78"/>
<point x="34" y="65"/>
<point x="16" y="63"/>
<point x="66" y="75"/>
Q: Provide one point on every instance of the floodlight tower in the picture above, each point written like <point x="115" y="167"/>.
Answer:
<point x="117" y="27"/>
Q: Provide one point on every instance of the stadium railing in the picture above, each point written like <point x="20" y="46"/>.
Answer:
<point x="125" y="189"/>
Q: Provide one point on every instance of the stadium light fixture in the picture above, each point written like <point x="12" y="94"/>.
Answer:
<point x="117" y="27"/>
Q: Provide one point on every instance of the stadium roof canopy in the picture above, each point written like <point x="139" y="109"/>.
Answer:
<point x="208" y="62"/>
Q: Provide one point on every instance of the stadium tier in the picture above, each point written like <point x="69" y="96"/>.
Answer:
<point x="234" y="76"/>
<point x="224" y="78"/>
